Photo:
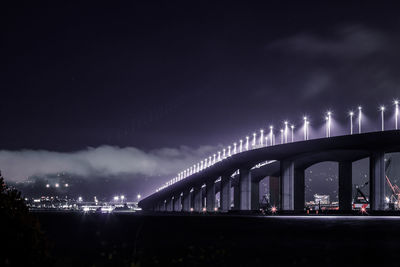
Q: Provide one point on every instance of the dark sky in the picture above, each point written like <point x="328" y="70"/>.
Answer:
<point x="154" y="75"/>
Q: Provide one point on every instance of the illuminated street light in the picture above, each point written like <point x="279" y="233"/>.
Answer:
<point x="292" y="128"/>
<point x="351" y="113"/>
<point x="247" y="143"/>
<point x="201" y="165"/>
<point x="229" y="151"/>
<point x="223" y="153"/>
<point x="253" y="144"/>
<point x="214" y="158"/>
<point x="80" y="199"/>
<point x="122" y="198"/>
<point x="205" y="163"/>
<point x="328" y="124"/>
<point x="305" y="128"/>
<point x="240" y="145"/>
<point x="359" y="119"/>
<point x="261" y="137"/>
<point x="116" y="198"/>
<point x="266" y="140"/>
<point x="281" y="136"/>
<point x="219" y="155"/>
<point x="286" y="131"/>
<point x="396" y="114"/>
<point x="139" y="196"/>
<point x="383" y="117"/>
<point x="271" y="135"/>
<point x="66" y="185"/>
<point x="47" y="185"/>
<point x="234" y="148"/>
<point x="57" y="185"/>
<point x="209" y="161"/>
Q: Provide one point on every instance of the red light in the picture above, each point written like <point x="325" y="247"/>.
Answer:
<point x="273" y="209"/>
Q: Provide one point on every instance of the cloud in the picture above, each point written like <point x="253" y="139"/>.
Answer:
<point x="349" y="42"/>
<point x="101" y="161"/>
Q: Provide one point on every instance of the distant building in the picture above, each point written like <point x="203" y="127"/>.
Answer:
<point x="321" y="199"/>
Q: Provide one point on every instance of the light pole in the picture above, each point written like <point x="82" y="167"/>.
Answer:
<point x="359" y="119"/>
<point x="234" y="148"/>
<point x="240" y="145"/>
<point x="396" y="114"/>
<point x="351" y="113"/>
<point x="261" y="138"/>
<point x="383" y="117"/>
<point x="229" y="151"/>
<point x="329" y="123"/>
<point x="286" y="131"/>
<point x="281" y="136"/>
<point x="253" y="144"/>
<point x="247" y="143"/>
<point x="305" y="128"/>
<point x="292" y="127"/>
<point x="271" y="135"/>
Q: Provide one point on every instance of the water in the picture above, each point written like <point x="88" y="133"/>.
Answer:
<point x="198" y="240"/>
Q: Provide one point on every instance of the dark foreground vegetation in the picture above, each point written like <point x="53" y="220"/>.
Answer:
<point x="205" y="240"/>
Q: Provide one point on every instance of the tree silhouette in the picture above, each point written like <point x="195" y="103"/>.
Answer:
<point x="22" y="242"/>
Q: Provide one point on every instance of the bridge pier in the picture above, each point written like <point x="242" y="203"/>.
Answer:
<point x="170" y="203"/>
<point x="210" y="196"/>
<point x="299" y="199"/>
<point x="197" y="199"/>
<point x="225" y="193"/>
<point x="345" y="186"/>
<point x="377" y="181"/>
<point x="245" y="189"/>
<point x="177" y="203"/>
<point x="186" y="200"/>
<point x="162" y="206"/>
<point x="287" y="185"/>
<point x="236" y="197"/>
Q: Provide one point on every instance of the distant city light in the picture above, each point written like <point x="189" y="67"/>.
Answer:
<point x="138" y="196"/>
<point x="66" y="185"/>
<point x="122" y="197"/>
<point x="57" y="185"/>
<point x="80" y="199"/>
<point x="116" y="198"/>
<point x="47" y="185"/>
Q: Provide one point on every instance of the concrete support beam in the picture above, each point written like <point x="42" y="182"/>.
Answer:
<point x="170" y="203"/>
<point x="162" y="206"/>
<point x="345" y="186"/>
<point x="245" y="189"/>
<point x="377" y="181"/>
<point x="274" y="191"/>
<point x="177" y="203"/>
<point x="255" y="195"/>
<point x="210" y="196"/>
<point x="236" y="197"/>
<point x="186" y="201"/>
<point x="287" y="185"/>
<point x="299" y="198"/>
<point x="197" y="199"/>
<point x="225" y="194"/>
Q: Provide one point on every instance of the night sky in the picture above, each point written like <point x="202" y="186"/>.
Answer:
<point x="95" y="82"/>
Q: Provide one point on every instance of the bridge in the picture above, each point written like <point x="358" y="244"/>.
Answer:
<point x="285" y="165"/>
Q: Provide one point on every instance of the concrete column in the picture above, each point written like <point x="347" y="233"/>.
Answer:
<point x="255" y="195"/>
<point x="245" y="189"/>
<point x="210" y="196"/>
<point x="225" y="194"/>
<point x="345" y="186"/>
<point x="236" y="197"/>
<point x="162" y="206"/>
<point x="377" y="181"/>
<point x="170" y="203"/>
<point x="274" y="191"/>
<point x="287" y="185"/>
<point x="177" y="203"/>
<point x="186" y="201"/>
<point x="299" y="200"/>
<point x="197" y="199"/>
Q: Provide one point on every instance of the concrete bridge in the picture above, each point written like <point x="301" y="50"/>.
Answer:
<point x="285" y="165"/>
